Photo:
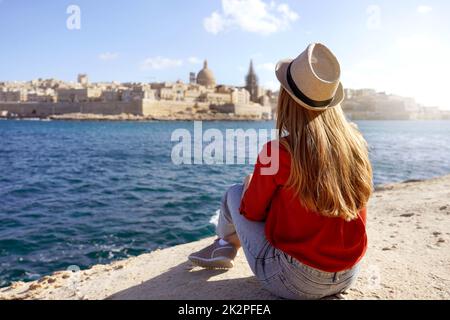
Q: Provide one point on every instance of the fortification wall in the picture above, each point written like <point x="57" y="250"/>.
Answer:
<point x="48" y="109"/>
<point x="160" y="108"/>
<point x="247" y="110"/>
<point x="147" y="108"/>
<point x="251" y="110"/>
<point x="29" y="109"/>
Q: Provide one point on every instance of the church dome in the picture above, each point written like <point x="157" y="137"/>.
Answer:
<point x="206" y="77"/>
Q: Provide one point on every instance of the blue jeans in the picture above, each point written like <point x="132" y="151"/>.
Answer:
<point x="278" y="272"/>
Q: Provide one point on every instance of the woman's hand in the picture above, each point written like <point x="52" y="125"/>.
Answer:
<point x="247" y="181"/>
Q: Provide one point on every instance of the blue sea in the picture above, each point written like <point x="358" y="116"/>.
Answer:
<point x="83" y="193"/>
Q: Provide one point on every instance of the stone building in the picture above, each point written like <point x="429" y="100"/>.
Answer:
<point x="46" y="97"/>
<point x="137" y="93"/>
<point x="240" y="96"/>
<point x="109" y="95"/>
<point x="194" y="93"/>
<point x="37" y="96"/>
<point x="79" y="95"/>
<point x="192" y="78"/>
<point x="367" y="104"/>
<point x="217" y="98"/>
<point x="83" y="80"/>
<point x="206" y="77"/>
<point x="13" y="95"/>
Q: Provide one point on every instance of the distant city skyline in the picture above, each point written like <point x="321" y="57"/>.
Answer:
<point x="400" y="47"/>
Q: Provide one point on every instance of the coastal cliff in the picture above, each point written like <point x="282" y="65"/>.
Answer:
<point x="408" y="258"/>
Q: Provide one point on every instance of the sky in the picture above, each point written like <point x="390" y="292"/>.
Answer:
<point x="401" y="47"/>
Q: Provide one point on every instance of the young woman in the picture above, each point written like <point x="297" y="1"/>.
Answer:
<point x="303" y="227"/>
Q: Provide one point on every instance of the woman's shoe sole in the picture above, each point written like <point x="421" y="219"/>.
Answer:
<point x="216" y="263"/>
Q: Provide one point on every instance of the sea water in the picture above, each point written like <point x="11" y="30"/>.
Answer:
<point x="83" y="193"/>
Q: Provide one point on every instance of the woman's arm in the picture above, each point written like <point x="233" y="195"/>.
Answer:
<point x="259" y="188"/>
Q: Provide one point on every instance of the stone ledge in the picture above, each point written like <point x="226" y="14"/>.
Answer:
<point x="408" y="258"/>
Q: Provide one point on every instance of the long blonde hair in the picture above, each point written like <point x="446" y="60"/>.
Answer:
<point x="330" y="171"/>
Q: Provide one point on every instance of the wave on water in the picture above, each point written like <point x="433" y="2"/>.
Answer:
<point x="215" y="218"/>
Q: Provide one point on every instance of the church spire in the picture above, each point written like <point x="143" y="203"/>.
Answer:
<point x="252" y="70"/>
<point x="251" y="83"/>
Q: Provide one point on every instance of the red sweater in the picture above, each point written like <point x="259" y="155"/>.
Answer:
<point x="327" y="244"/>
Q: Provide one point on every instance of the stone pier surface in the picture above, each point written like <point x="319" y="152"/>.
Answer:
<point x="408" y="258"/>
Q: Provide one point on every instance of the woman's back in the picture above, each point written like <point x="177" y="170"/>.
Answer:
<point x="325" y="243"/>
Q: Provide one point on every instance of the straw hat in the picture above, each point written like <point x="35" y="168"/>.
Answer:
<point x="313" y="78"/>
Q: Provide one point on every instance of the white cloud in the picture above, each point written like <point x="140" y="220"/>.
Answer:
<point x="108" y="56"/>
<point x="194" y="60"/>
<point x="254" y="16"/>
<point x="268" y="66"/>
<point x="159" y="63"/>
<point x="286" y="11"/>
<point x="423" y="9"/>
<point x="215" y="23"/>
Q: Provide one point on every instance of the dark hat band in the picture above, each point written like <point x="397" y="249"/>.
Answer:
<point x="300" y="95"/>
